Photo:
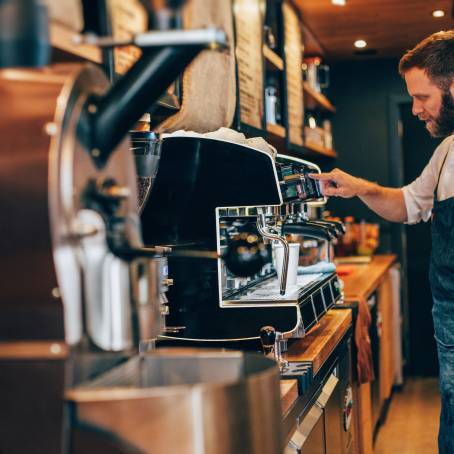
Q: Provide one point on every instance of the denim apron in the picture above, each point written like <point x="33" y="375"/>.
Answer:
<point x="442" y="285"/>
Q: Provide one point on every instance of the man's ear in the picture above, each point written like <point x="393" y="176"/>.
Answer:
<point x="451" y="88"/>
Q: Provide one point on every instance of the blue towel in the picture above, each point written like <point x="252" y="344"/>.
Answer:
<point x="320" y="267"/>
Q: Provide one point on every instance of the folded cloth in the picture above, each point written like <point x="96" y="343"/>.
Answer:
<point x="320" y="267"/>
<point x="229" y="135"/>
<point x="209" y="83"/>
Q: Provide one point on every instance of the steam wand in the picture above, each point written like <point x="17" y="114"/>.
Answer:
<point x="262" y="229"/>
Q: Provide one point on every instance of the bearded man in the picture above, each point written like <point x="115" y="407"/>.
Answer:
<point x="428" y="70"/>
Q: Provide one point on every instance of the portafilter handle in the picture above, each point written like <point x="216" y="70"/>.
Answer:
<point x="268" y="339"/>
<point x="272" y="342"/>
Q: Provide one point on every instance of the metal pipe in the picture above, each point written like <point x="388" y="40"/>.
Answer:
<point x="261" y="227"/>
<point x="107" y="119"/>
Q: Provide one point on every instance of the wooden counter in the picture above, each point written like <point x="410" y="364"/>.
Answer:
<point x="289" y="394"/>
<point x="321" y="339"/>
<point x="359" y="285"/>
<point x="315" y="347"/>
<point x="364" y="279"/>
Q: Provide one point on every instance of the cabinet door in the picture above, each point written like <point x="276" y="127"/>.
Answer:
<point x="333" y="417"/>
<point x="309" y="437"/>
<point x="385" y="308"/>
<point x="315" y="443"/>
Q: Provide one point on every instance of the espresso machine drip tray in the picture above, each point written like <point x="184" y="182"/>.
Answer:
<point x="268" y="292"/>
<point x="311" y="298"/>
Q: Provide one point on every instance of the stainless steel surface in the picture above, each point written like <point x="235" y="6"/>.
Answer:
<point x="187" y="401"/>
<point x="268" y="292"/>
<point x="210" y="36"/>
<point x="262" y="229"/>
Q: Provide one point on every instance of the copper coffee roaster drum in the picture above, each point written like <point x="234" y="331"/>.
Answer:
<point x="43" y="172"/>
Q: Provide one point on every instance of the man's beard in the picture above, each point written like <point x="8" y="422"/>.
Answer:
<point x="443" y="125"/>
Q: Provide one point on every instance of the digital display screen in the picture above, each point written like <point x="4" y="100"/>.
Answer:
<point x="301" y="187"/>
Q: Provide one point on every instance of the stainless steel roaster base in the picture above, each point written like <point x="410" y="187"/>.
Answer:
<point x="183" y="400"/>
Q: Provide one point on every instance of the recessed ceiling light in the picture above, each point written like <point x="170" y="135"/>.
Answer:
<point x="360" y="44"/>
<point x="339" y="2"/>
<point x="438" y="13"/>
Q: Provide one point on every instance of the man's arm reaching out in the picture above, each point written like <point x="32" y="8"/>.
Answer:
<point x="388" y="203"/>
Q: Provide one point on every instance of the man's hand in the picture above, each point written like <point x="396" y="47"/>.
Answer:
<point x="340" y="184"/>
<point x="386" y="202"/>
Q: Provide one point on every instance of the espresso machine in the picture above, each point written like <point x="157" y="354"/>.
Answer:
<point x="219" y="206"/>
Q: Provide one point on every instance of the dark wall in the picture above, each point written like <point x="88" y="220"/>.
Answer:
<point x="361" y="92"/>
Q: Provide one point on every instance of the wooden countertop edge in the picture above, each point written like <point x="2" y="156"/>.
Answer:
<point x="289" y="394"/>
<point x="322" y="339"/>
<point x="375" y="272"/>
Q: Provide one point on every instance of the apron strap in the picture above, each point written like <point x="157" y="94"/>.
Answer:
<point x="440" y="172"/>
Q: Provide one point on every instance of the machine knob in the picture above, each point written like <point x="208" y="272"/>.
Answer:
<point x="246" y="254"/>
<point x="268" y="339"/>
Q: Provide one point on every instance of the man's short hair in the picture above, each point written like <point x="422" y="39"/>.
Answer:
<point x="435" y="55"/>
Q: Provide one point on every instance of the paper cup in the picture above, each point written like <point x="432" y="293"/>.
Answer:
<point x="292" y="261"/>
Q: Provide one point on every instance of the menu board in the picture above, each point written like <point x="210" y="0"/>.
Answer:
<point x="128" y="17"/>
<point x="249" y="25"/>
<point x="294" y="74"/>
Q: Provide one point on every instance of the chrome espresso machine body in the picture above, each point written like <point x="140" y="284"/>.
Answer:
<point x="211" y="197"/>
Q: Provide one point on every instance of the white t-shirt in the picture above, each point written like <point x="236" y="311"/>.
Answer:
<point x="419" y="195"/>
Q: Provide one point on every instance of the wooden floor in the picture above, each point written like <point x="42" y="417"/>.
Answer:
<point x="412" y="423"/>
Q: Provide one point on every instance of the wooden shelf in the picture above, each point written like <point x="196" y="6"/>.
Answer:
<point x="315" y="148"/>
<point x="61" y="38"/>
<point x="274" y="61"/>
<point x="277" y="130"/>
<point x="315" y="100"/>
<point x="276" y="136"/>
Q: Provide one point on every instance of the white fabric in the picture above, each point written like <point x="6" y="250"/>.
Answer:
<point x="419" y="194"/>
<point x="229" y="135"/>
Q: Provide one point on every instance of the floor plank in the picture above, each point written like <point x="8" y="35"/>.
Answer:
<point x="413" y="417"/>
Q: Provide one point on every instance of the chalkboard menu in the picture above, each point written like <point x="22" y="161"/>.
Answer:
<point x="294" y="75"/>
<point x="249" y="29"/>
<point x="128" y="17"/>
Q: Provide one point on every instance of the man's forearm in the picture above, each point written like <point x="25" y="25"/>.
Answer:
<point x="388" y="203"/>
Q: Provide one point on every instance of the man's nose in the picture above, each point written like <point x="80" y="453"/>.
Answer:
<point x="417" y="108"/>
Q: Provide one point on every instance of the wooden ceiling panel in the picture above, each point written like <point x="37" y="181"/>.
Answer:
<point x="389" y="26"/>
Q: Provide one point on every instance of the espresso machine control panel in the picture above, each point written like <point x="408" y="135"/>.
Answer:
<point x="295" y="183"/>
